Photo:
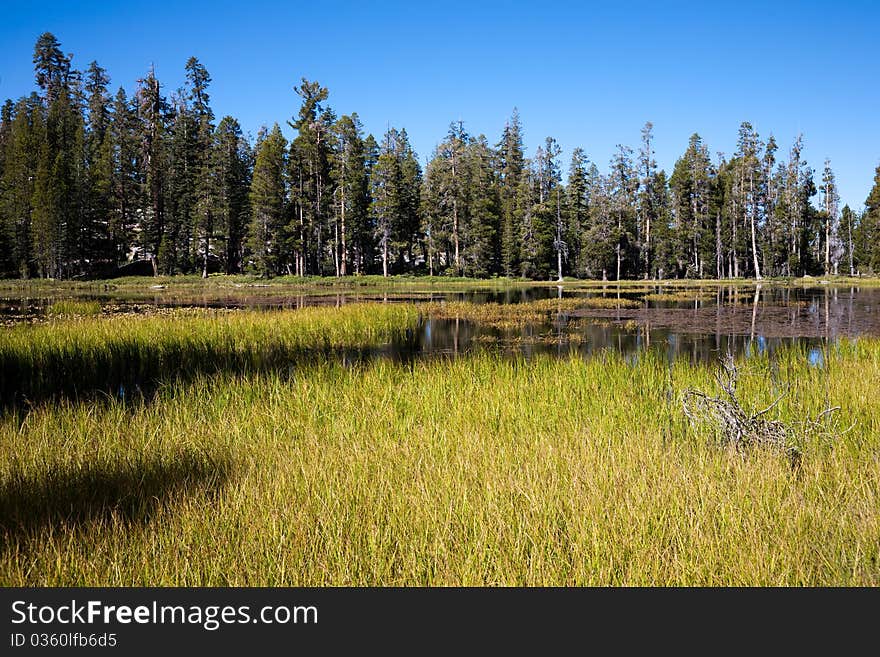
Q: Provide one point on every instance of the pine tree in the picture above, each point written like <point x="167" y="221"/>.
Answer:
<point x="600" y="241"/>
<point x="830" y="201"/>
<point x="663" y="244"/>
<point x="268" y="198"/>
<point x="151" y="112"/>
<point x="747" y="184"/>
<point x="451" y="152"/>
<point x="540" y="250"/>
<point x="690" y="185"/>
<point x="365" y="242"/>
<point x="58" y="237"/>
<point x="127" y="182"/>
<point x="406" y="230"/>
<point x="99" y="169"/>
<point x="51" y="67"/>
<point x="871" y="226"/>
<point x="647" y="212"/>
<point x="26" y="134"/>
<point x="208" y="182"/>
<point x="387" y="196"/>
<point x="6" y="115"/>
<point x="230" y="173"/>
<point x="511" y="162"/>
<point x="310" y="176"/>
<point x="797" y="189"/>
<point x="624" y="184"/>
<point x="527" y="236"/>
<point x="88" y="182"/>
<point x="577" y="208"/>
<point x="481" y="248"/>
<point x="849" y="232"/>
<point x="6" y="237"/>
<point x="182" y="179"/>
<point x="432" y="215"/>
<point x="351" y="200"/>
<point x="769" y="200"/>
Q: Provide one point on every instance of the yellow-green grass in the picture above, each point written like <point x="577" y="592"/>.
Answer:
<point x="477" y="471"/>
<point x="82" y="355"/>
<point x="679" y="296"/>
<point x="508" y="315"/>
<point x="74" y="308"/>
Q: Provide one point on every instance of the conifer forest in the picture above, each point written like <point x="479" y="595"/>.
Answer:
<point x="95" y="182"/>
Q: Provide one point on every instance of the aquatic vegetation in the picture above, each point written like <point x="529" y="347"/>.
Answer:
<point x="610" y="302"/>
<point x="74" y="308"/>
<point x="681" y="296"/>
<point x="510" y="315"/>
<point x="111" y="354"/>
<point x="490" y="314"/>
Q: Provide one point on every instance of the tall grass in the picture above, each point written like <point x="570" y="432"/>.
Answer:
<point x="505" y="315"/>
<point x="82" y="355"/>
<point x="477" y="471"/>
<point x="74" y="308"/>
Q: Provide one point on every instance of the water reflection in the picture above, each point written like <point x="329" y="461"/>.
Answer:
<point x="454" y="337"/>
<point x="749" y="321"/>
<point x="698" y="323"/>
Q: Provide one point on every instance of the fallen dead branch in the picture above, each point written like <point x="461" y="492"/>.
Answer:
<point x="738" y="428"/>
<point x="734" y="425"/>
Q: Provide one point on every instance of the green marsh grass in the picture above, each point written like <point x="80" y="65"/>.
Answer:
<point x="681" y="296"/>
<point x="476" y="471"/>
<point x="508" y="315"/>
<point x="74" y="308"/>
<point x="81" y="355"/>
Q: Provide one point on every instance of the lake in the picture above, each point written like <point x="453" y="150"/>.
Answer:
<point x="700" y="322"/>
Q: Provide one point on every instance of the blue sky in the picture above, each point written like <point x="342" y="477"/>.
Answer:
<point x="589" y="74"/>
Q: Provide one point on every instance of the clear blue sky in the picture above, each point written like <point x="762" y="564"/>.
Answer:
<point x="588" y="73"/>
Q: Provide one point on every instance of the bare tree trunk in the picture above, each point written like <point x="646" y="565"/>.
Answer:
<point x="455" y="233"/>
<point x="733" y="245"/>
<point x="852" y="270"/>
<point x="558" y="237"/>
<point x="617" y="248"/>
<point x="559" y="265"/>
<point x="430" y="248"/>
<point x="336" y="247"/>
<point x="755" y="309"/>
<point x="827" y="243"/>
<point x="695" y="245"/>
<point x="455" y="215"/>
<point x="302" y="235"/>
<point x="752" y="221"/>
<point x="344" y="254"/>
<point x="207" y="249"/>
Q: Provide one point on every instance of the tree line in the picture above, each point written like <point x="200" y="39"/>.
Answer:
<point x="93" y="182"/>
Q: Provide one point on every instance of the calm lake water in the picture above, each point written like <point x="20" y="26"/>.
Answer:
<point x="715" y="320"/>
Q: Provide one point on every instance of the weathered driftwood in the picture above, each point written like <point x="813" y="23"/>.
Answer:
<point x="740" y="429"/>
<point x="735" y="426"/>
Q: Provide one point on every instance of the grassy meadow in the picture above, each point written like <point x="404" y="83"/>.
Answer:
<point x="261" y="452"/>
